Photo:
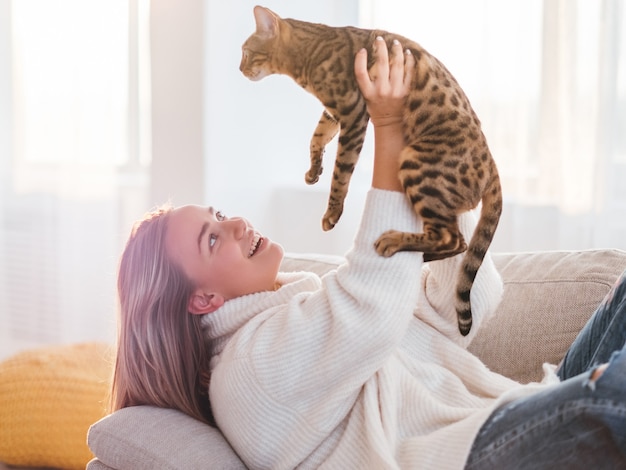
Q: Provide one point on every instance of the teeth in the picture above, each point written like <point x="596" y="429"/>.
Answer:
<point x="255" y="244"/>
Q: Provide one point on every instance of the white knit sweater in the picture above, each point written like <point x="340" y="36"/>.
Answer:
<point x="345" y="372"/>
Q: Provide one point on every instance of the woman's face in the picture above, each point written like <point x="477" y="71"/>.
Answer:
<point x="224" y="257"/>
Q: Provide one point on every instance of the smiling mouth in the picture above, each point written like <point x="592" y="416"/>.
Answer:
<point x="257" y="241"/>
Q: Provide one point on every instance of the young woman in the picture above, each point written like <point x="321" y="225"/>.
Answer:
<point x="365" y="367"/>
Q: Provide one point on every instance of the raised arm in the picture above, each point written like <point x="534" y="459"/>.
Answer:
<point x="385" y="88"/>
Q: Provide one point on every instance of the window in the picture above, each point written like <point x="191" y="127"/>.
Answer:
<point x="77" y="161"/>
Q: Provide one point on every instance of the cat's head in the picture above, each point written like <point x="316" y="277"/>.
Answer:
<point x="257" y="51"/>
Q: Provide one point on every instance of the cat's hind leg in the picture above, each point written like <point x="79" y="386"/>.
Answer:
<point x="326" y="129"/>
<point x="434" y="192"/>
<point x="437" y="241"/>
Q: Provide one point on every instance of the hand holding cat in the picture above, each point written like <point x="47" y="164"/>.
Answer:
<point x="386" y="85"/>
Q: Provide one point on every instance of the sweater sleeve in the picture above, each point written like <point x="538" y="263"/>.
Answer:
<point x="345" y="331"/>
<point x="307" y="361"/>
<point x="439" y="278"/>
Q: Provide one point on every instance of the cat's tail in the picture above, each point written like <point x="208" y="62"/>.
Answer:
<point x="477" y="249"/>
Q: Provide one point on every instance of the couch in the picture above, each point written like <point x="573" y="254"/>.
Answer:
<point x="548" y="297"/>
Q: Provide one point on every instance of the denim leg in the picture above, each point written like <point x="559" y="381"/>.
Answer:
<point x="604" y="333"/>
<point x="577" y="424"/>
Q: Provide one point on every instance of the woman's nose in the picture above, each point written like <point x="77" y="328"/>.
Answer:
<point x="239" y="227"/>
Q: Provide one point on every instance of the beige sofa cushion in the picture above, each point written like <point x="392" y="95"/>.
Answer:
<point x="548" y="298"/>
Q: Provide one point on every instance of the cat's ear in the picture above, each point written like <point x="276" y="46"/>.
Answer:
<point x="266" y="21"/>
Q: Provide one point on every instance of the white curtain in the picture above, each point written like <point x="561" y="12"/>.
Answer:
<point x="73" y="164"/>
<point x="548" y="81"/>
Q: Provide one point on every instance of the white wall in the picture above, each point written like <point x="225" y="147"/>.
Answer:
<point x="176" y="60"/>
<point x="220" y="139"/>
<point x="257" y="134"/>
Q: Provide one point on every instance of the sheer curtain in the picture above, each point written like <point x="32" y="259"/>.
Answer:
<point x="548" y="80"/>
<point x="73" y="166"/>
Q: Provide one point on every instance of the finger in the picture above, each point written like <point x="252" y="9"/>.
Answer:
<point x="409" y="69"/>
<point x="361" y="73"/>
<point x="381" y="66"/>
<point x="396" y="65"/>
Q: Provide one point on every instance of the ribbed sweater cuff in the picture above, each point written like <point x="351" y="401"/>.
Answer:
<point x="386" y="210"/>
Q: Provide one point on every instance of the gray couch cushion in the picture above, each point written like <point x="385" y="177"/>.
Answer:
<point x="148" y="438"/>
<point x="94" y="464"/>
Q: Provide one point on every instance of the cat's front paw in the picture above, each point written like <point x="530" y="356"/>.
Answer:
<point x="389" y="243"/>
<point x="330" y="219"/>
<point x="313" y="175"/>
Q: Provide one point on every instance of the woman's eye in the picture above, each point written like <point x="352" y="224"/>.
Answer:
<point x="212" y="240"/>
<point x="219" y="215"/>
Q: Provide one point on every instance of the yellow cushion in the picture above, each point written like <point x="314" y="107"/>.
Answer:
<point x="48" y="399"/>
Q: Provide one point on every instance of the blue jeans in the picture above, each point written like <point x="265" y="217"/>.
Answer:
<point x="579" y="423"/>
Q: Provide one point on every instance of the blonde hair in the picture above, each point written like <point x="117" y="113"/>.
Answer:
<point x="162" y="359"/>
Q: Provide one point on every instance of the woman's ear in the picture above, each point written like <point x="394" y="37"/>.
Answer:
<point x="201" y="303"/>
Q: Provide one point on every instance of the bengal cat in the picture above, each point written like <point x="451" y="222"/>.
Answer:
<point x="446" y="166"/>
